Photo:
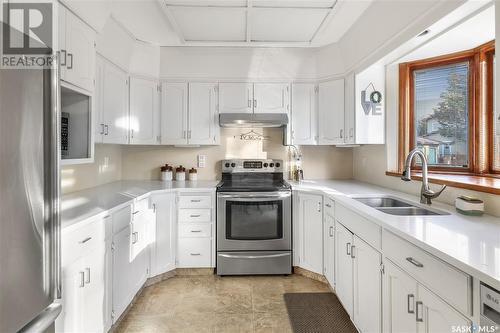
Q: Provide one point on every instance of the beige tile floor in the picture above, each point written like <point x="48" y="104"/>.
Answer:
<point x="216" y="304"/>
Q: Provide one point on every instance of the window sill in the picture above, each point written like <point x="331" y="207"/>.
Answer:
<point x="486" y="183"/>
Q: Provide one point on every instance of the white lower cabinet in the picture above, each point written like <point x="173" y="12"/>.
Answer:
<point x="329" y="248"/>
<point x="163" y="234"/>
<point x="309" y="243"/>
<point x="410" y="307"/>
<point x="359" y="282"/>
<point x="122" y="293"/>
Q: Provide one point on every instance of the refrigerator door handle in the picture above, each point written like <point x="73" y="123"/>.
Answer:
<point x="43" y="320"/>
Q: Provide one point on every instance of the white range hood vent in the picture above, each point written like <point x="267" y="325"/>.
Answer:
<point x="253" y="120"/>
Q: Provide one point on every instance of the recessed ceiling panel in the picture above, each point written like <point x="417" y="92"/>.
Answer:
<point x="210" y="23"/>
<point x="294" y="3"/>
<point x="285" y="24"/>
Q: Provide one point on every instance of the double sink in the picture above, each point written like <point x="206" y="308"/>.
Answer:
<point x="393" y="206"/>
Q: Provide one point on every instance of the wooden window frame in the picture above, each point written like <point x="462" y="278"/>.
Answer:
<point x="480" y="110"/>
<point x="489" y="54"/>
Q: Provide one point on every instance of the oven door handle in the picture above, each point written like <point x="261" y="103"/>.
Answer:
<point x="254" y="197"/>
<point x="234" y="256"/>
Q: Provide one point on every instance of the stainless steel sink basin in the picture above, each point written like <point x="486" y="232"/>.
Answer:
<point x="383" y="202"/>
<point x="393" y="206"/>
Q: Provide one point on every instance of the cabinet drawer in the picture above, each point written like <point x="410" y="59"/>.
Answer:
<point x="445" y="280"/>
<point x="368" y="231"/>
<point x="195" y="230"/>
<point x="77" y="243"/>
<point x="194" y="252"/>
<point x="195" y="215"/>
<point x="329" y="206"/>
<point x="195" y="201"/>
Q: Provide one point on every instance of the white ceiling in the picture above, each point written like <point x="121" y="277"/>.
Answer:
<point x="300" y="23"/>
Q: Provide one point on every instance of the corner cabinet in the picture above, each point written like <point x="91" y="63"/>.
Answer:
<point x="144" y="118"/>
<point x="308" y="248"/>
<point x="189" y="113"/>
<point x="163" y="232"/>
<point x="304" y="114"/>
<point x="112" y="108"/>
<point x="331" y="112"/>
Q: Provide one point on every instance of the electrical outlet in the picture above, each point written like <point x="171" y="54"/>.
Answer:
<point x="202" y="161"/>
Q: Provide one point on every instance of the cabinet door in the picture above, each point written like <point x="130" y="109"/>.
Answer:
<point x="331" y="112"/>
<point x="93" y="308"/>
<point x="329" y="249"/>
<point x="139" y="250"/>
<point x="98" y="110"/>
<point x="435" y="315"/>
<point x="304" y="114"/>
<point x="122" y="289"/>
<point x="115" y="104"/>
<point x="174" y="99"/>
<point x="367" y="287"/>
<point x="80" y="53"/>
<point x="71" y="318"/>
<point x="203" y="116"/>
<point x="235" y="97"/>
<point x="271" y="97"/>
<point x="311" y="231"/>
<point x="400" y="295"/>
<point x="144" y="112"/>
<point x="163" y="235"/>
<point x="350" y="111"/>
<point x="343" y="267"/>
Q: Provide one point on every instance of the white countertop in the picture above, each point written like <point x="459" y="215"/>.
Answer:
<point x="78" y="206"/>
<point x="470" y="243"/>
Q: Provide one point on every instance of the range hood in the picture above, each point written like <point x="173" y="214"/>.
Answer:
<point x="252" y="120"/>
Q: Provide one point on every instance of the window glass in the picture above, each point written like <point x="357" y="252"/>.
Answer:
<point x="441" y="114"/>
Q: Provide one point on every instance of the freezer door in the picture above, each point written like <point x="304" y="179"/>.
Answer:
<point x="29" y="227"/>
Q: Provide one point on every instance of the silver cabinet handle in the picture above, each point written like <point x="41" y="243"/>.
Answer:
<point x="102" y="129"/>
<point x="195" y="254"/>
<point x="106" y="127"/>
<point x="65" y="56"/>
<point x="341" y="133"/>
<point x="331" y="232"/>
<point x="348" y="249"/>
<point x="87" y="280"/>
<point x="195" y="231"/>
<point x="198" y="215"/>
<point x="414" y="262"/>
<point x="136" y="212"/>
<point x="70" y="56"/>
<point x="255" y="103"/>
<point x="419" y="313"/>
<point x="135" y="237"/>
<point x="352" y="251"/>
<point x="411" y="303"/>
<point x="82" y="279"/>
<point x="351" y="132"/>
<point x="195" y="200"/>
<point x="328" y="205"/>
<point x="131" y="133"/>
<point x="319" y="206"/>
<point x="85" y="240"/>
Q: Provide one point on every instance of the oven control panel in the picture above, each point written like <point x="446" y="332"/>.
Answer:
<point x="232" y="166"/>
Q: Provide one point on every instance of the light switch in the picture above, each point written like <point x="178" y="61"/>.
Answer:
<point x="202" y="161"/>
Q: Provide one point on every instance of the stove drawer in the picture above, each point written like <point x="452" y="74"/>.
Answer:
<point x="195" y="230"/>
<point x="261" y="262"/>
<point x="195" y="215"/>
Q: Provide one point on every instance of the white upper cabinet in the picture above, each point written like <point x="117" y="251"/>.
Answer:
<point x="331" y="112"/>
<point x="271" y="97"/>
<point x="174" y="103"/>
<point x="304" y="119"/>
<point x="189" y="120"/>
<point x="114" y="95"/>
<point x="144" y="111"/>
<point x="203" y="116"/>
<point x="350" y="111"/>
<point x="236" y="97"/>
<point x="77" y="44"/>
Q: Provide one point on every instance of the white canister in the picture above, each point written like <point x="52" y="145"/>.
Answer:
<point x="193" y="174"/>
<point x="166" y="175"/>
<point x="180" y="175"/>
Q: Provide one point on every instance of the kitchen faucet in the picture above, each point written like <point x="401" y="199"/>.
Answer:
<point x="426" y="194"/>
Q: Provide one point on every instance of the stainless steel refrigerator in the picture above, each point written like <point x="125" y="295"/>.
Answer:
<point x="29" y="200"/>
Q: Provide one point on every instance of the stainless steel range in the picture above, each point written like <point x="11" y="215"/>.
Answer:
<point x="254" y="219"/>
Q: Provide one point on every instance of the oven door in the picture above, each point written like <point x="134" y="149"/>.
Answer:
<point x="254" y="221"/>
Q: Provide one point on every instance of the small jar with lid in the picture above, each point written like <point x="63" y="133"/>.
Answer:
<point x="166" y="173"/>
<point x="193" y="174"/>
<point x="180" y="173"/>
